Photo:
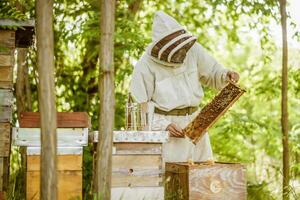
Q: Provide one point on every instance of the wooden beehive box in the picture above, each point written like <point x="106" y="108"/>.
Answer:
<point x="6" y="103"/>
<point x="205" y="181"/>
<point x="213" y="111"/>
<point x="69" y="174"/>
<point x="70" y="142"/>
<point x="7" y="45"/>
<point x="137" y="164"/>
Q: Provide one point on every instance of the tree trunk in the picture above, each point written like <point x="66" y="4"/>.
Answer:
<point x="21" y="106"/>
<point x="23" y="98"/>
<point x="102" y="178"/>
<point x="45" y="63"/>
<point x="20" y="81"/>
<point x="284" y="104"/>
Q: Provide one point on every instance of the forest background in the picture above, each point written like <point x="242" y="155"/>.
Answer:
<point x="243" y="35"/>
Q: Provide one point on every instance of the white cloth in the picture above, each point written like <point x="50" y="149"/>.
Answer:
<point x="170" y="86"/>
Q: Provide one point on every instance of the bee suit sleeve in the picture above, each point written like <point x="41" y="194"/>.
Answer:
<point x="211" y="73"/>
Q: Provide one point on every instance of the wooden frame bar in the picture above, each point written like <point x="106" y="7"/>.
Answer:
<point x="66" y="137"/>
<point x="136" y="136"/>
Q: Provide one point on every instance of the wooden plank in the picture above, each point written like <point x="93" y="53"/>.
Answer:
<point x="135" y="162"/>
<point x="5" y="114"/>
<point x="6" y="60"/>
<point x="1" y="173"/>
<point x="4" y="173"/>
<point x="64" y="120"/>
<point x="218" y="181"/>
<point x="60" y="151"/>
<point x="6" y="77"/>
<point x="139" y="178"/>
<point x="64" y="162"/>
<point x="137" y="148"/>
<point x="213" y="111"/>
<point x="137" y="193"/>
<point x="6" y="97"/>
<point x="4" y="148"/>
<point x="136" y="170"/>
<point x="206" y="181"/>
<point x="137" y="136"/>
<point x="66" y="137"/>
<point x="69" y="185"/>
<point x="5" y="129"/>
<point x="7" y="38"/>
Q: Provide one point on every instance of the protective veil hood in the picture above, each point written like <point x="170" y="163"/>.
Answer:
<point x="169" y="39"/>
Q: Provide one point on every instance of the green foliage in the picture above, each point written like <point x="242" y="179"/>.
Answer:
<point x="259" y="192"/>
<point x="237" y="33"/>
<point x="9" y="11"/>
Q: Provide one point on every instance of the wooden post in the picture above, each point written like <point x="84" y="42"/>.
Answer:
<point x="45" y="63"/>
<point x="20" y="81"/>
<point x="102" y="178"/>
<point x="284" y="104"/>
<point x="21" y="105"/>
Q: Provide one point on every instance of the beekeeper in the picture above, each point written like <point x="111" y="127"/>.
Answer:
<point x="169" y="76"/>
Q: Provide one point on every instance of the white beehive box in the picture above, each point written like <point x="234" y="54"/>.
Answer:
<point x="137" y="164"/>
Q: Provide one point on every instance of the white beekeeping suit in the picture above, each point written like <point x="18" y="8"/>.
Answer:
<point x="163" y="81"/>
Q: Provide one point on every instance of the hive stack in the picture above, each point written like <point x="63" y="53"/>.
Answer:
<point x="137" y="164"/>
<point x="7" y="45"/>
<point x="72" y="135"/>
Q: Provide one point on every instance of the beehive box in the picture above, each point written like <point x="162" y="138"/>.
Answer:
<point x="7" y="45"/>
<point x="205" y="181"/>
<point x="213" y="111"/>
<point x="69" y="175"/>
<point x="6" y="102"/>
<point x="137" y="164"/>
<point x="70" y="142"/>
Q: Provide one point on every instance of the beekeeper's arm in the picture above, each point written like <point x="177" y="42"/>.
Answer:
<point x="211" y="73"/>
<point x="142" y="88"/>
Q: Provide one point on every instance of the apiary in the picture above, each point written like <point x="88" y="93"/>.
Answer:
<point x="137" y="164"/>
<point x="205" y="181"/>
<point x="213" y="111"/>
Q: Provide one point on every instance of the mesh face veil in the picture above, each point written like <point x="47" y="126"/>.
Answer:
<point x="173" y="47"/>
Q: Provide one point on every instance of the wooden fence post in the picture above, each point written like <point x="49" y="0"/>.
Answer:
<point x="102" y="176"/>
<point x="45" y="63"/>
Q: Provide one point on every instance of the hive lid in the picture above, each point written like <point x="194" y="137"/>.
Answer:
<point x="137" y="136"/>
<point x="64" y="120"/>
<point x="66" y="137"/>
